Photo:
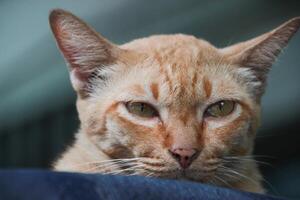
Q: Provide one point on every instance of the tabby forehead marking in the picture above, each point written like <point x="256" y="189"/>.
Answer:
<point x="155" y="90"/>
<point x="207" y="86"/>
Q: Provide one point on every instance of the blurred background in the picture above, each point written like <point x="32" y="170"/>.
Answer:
<point x="37" y="106"/>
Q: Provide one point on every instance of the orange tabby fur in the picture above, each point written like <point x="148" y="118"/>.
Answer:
<point x="180" y="76"/>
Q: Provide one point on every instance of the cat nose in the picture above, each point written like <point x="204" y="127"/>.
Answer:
<point x="184" y="157"/>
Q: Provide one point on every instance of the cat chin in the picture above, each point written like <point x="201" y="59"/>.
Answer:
<point x="186" y="175"/>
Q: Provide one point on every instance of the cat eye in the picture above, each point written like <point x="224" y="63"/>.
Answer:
<point x="220" y="109"/>
<point x="141" y="109"/>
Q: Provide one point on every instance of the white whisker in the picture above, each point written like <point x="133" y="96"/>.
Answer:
<point x="223" y="181"/>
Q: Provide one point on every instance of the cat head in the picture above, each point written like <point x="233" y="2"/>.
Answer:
<point x="174" y="105"/>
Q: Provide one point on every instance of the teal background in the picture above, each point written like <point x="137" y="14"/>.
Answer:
<point x="37" y="104"/>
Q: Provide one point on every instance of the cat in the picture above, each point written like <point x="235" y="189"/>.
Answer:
<point x="168" y="106"/>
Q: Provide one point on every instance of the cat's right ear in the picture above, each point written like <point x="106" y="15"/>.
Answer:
<point x="256" y="56"/>
<point x="84" y="50"/>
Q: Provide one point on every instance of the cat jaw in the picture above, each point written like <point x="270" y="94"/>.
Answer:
<point x="83" y="156"/>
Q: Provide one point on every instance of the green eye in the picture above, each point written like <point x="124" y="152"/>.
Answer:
<point x="220" y="109"/>
<point x="141" y="109"/>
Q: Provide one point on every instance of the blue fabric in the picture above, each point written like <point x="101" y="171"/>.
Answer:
<point x="47" y="185"/>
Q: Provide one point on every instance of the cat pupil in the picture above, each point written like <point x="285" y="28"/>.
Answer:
<point x="221" y="105"/>
<point x="142" y="107"/>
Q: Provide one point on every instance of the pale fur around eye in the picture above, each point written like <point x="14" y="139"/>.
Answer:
<point x="141" y="109"/>
<point x="220" y="109"/>
<point x="148" y="122"/>
<point x="217" y="122"/>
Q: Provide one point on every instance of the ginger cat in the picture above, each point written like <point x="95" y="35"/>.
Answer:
<point x="169" y="106"/>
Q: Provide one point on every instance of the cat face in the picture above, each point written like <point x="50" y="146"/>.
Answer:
<point x="170" y="106"/>
<point x="159" y="109"/>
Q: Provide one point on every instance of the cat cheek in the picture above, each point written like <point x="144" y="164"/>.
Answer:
<point x="240" y="142"/>
<point x="231" y="135"/>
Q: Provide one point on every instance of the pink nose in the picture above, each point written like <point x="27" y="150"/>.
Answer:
<point x="184" y="156"/>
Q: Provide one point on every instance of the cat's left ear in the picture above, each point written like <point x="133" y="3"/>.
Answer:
<point x="84" y="50"/>
<point x="256" y="56"/>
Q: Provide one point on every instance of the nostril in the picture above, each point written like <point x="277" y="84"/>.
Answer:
<point x="174" y="155"/>
<point x="177" y="156"/>
<point x="184" y="156"/>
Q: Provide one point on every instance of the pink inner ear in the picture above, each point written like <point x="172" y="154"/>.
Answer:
<point x="78" y="78"/>
<point x="83" y="76"/>
<point x="83" y="49"/>
<point x="64" y="41"/>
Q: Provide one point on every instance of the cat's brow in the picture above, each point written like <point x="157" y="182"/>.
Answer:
<point x="194" y="83"/>
<point x="155" y="90"/>
<point x="207" y="86"/>
<point x="138" y="90"/>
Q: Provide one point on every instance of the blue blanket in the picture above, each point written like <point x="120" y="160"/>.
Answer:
<point x="47" y="185"/>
